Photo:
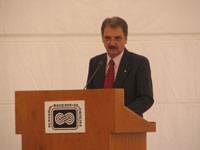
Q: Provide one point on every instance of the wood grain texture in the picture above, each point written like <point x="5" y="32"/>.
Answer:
<point x="108" y="121"/>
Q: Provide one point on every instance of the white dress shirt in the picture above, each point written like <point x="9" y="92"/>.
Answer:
<point x="116" y="60"/>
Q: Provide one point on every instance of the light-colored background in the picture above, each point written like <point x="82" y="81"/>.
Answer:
<point x="47" y="44"/>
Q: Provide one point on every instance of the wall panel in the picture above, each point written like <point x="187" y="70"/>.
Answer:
<point x="85" y="16"/>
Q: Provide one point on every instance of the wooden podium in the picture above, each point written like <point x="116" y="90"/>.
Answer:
<point x="109" y="125"/>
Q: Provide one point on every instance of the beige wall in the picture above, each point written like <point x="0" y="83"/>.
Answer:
<point x="47" y="44"/>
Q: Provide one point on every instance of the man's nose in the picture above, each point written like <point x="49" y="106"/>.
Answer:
<point x="112" y="42"/>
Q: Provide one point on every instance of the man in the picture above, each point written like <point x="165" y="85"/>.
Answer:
<point x="119" y="68"/>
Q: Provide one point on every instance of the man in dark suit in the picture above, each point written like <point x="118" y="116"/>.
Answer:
<point x="119" y="68"/>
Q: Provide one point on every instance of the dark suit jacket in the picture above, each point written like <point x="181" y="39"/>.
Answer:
<point x="133" y="75"/>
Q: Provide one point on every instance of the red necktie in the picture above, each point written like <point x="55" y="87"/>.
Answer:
<point x="110" y="75"/>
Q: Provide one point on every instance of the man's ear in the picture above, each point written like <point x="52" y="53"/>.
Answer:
<point x="126" y="39"/>
<point x="102" y="38"/>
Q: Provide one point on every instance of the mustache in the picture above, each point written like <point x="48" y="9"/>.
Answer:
<point x="112" y="47"/>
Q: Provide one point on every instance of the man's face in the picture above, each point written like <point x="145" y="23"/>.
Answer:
<point x="114" y="40"/>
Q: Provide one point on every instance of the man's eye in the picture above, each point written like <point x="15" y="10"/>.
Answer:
<point x="118" y="38"/>
<point x="107" y="38"/>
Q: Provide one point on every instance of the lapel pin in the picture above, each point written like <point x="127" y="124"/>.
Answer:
<point x="125" y="71"/>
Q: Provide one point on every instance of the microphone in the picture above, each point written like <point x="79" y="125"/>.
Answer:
<point x="99" y="66"/>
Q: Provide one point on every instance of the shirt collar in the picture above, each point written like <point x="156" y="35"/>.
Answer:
<point x="116" y="59"/>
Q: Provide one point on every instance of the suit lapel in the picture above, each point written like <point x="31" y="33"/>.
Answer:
<point x="100" y="76"/>
<point x="122" y="71"/>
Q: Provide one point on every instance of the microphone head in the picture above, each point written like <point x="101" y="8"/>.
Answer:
<point x="101" y="63"/>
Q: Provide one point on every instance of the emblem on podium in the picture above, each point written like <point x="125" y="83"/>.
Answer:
<point x="65" y="117"/>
